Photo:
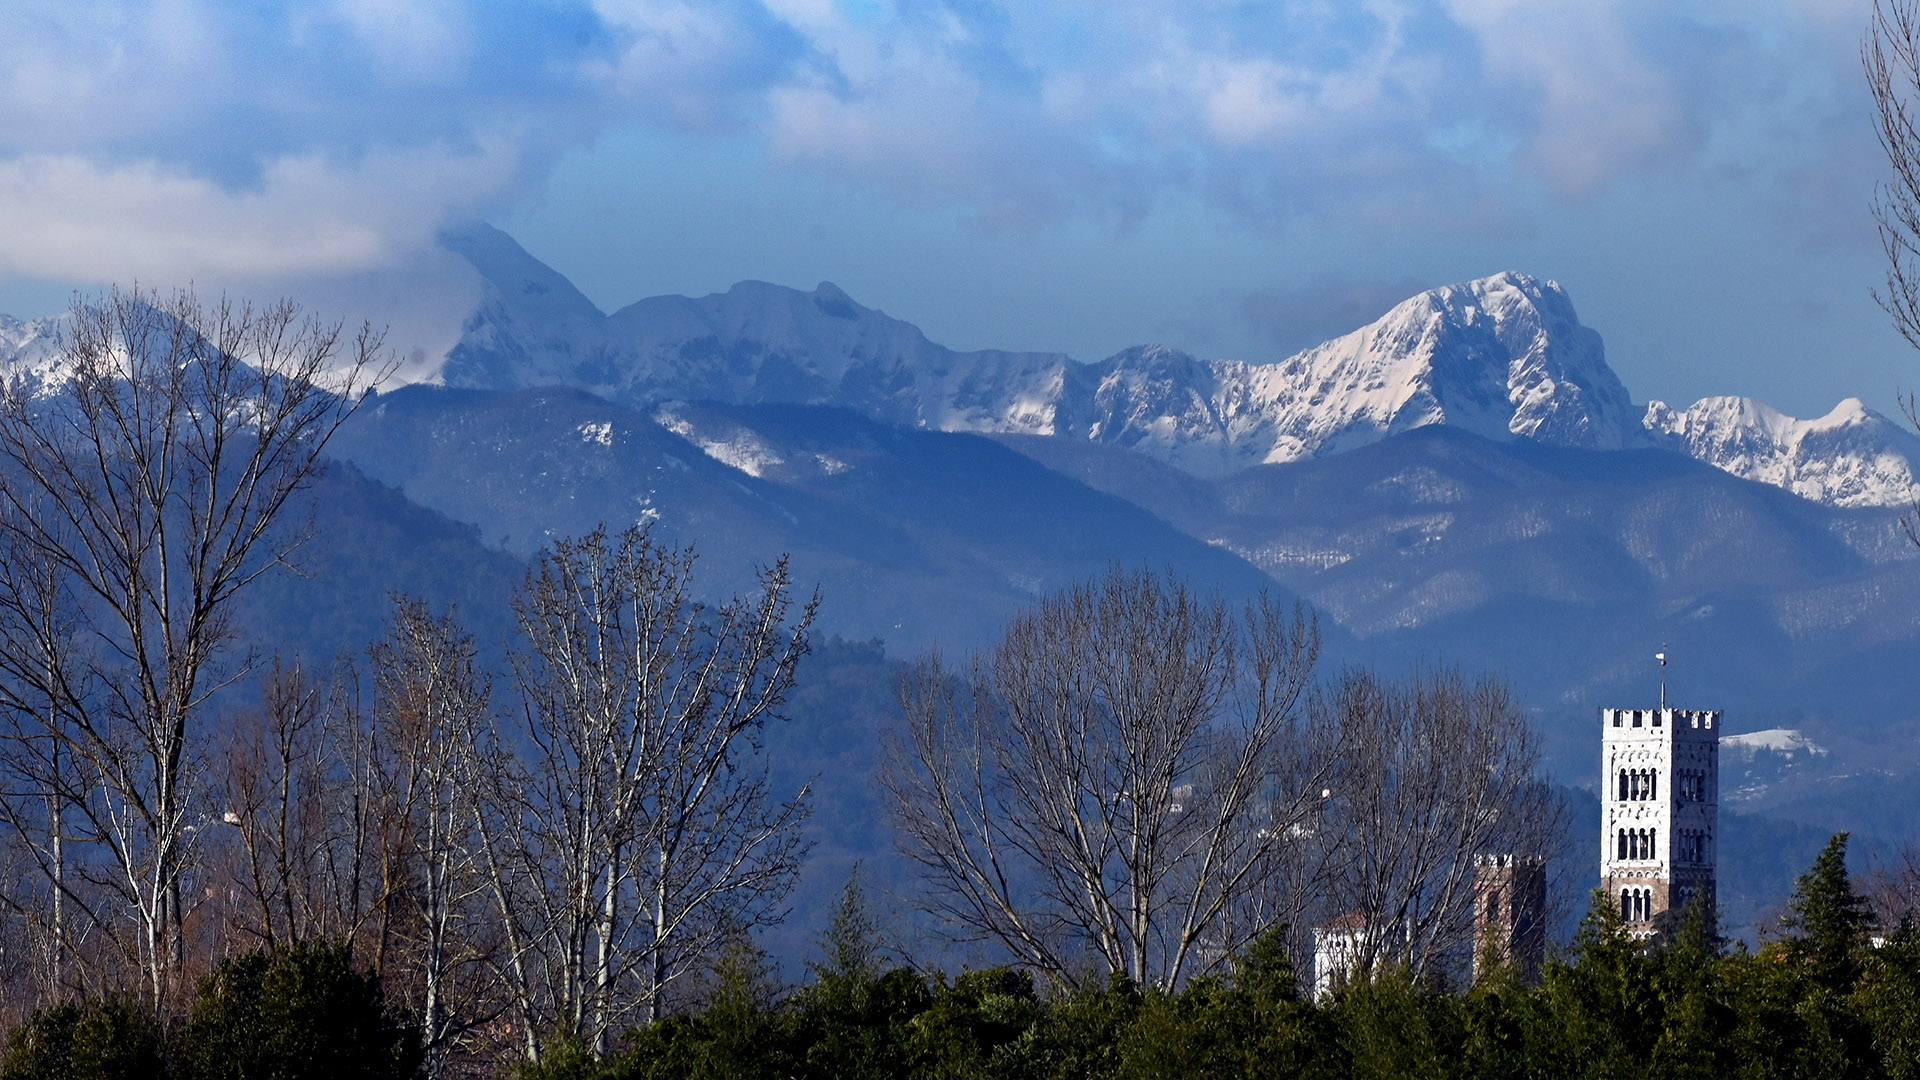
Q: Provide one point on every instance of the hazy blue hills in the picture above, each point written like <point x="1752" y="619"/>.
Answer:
<point x="1568" y="568"/>
<point x="915" y="537"/>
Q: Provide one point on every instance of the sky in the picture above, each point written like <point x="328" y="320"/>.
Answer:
<point x="1239" y="179"/>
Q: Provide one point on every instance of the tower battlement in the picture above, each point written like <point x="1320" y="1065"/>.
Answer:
<point x="1660" y="794"/>
<point x="1694" y="725"/>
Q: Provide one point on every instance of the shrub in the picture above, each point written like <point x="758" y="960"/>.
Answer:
<point x="108" y="1038"/>
<point x="303" y="1011"/>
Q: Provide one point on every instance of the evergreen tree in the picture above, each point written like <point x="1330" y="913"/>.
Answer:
<point x="1694" y="1016"/>
<point x="1598" y="1017"/>
<point x="741" y="1027"/>
<point x="853" y="1019"/>
<point x="982" y="1025"/>
<point x="1830" y="922"/>
<point x="1249" y="1024"/>
<point x="1391" y="1027"/>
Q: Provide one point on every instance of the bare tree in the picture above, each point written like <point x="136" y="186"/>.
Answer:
<point x="639" y="829"/>
<point x="431" y="710"/>
<point x="1891" y="56"/>
<point x="289" y="797"/>
<point x="143" y="487"/>
<point x="1893" y="887"/>
<point x="1121" y="777"/>
<point x="1434" y="771"/>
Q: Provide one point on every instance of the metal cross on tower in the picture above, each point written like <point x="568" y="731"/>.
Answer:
<point x="1662" y="657"/>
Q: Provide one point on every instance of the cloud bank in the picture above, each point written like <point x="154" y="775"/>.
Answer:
<point x="172" y="139"/>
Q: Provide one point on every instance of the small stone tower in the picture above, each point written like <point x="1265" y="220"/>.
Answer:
<point x="1659" y="799"/>
<point x="1510" y="913"/>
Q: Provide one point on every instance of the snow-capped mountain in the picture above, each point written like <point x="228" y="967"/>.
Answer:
<point x="1852" y="456"/>
<point x="753" y="344"/>
<point x="1503" y="357"/>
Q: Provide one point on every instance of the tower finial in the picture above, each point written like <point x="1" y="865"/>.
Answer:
<point x="1662" y="657"/>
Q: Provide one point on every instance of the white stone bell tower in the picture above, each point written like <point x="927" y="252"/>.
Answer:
<point x="1659" y="798"/>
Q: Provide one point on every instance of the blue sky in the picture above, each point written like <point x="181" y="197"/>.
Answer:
<point x="1236" y="178"/>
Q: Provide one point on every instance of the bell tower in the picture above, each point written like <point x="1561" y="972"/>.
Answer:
<point x="1660" y="777"/>
<point x="1510" y="913"/>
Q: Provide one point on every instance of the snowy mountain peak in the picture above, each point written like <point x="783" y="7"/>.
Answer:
<point x="1503" y="356"/>
<point x="1852" y="456"/>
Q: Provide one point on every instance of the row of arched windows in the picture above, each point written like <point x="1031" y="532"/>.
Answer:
<point x="1692" y="845"/>
<point x="1639" y="784"/>
<point x="1636" y="905"/>
<point x="1693" y="785"/>
<point x="1635" y="844"/>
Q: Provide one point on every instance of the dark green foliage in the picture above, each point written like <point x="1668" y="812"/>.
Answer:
<point x="109" y="1038"/>
<point x="853" y="1020"/>
<point x="303" y="1011"/>
<point x="1691" y="1000"/>
<point x="1391" y="1027"/>
<point x="980" y="1026"/>
<point x="1248" y="1024"/>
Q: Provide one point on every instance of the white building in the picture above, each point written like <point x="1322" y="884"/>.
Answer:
<point x="1660" y="777"/>
<point x="1338" y="948"/>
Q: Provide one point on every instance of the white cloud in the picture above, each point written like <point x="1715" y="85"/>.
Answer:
<point x="65" y="216"/>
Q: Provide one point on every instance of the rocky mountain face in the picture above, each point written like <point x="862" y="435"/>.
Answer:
<point x="30" y="349"/>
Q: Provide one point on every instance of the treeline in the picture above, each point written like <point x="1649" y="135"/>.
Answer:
<point x="1826" y="998"/>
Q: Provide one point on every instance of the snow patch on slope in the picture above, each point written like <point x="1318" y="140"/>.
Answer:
<point x="1773" y="740"/>
<point x="728" y="444"/>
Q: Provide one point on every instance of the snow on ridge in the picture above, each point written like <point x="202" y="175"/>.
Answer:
<point x="1851" y="457"/>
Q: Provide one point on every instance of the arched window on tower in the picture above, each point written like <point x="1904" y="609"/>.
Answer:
<point x="1653" y="783"/>
<point x="1622" y="838"/>
<point x="1623" y="785"/>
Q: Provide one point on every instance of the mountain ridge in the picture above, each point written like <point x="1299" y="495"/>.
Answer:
<point x="1504" y="356"/>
